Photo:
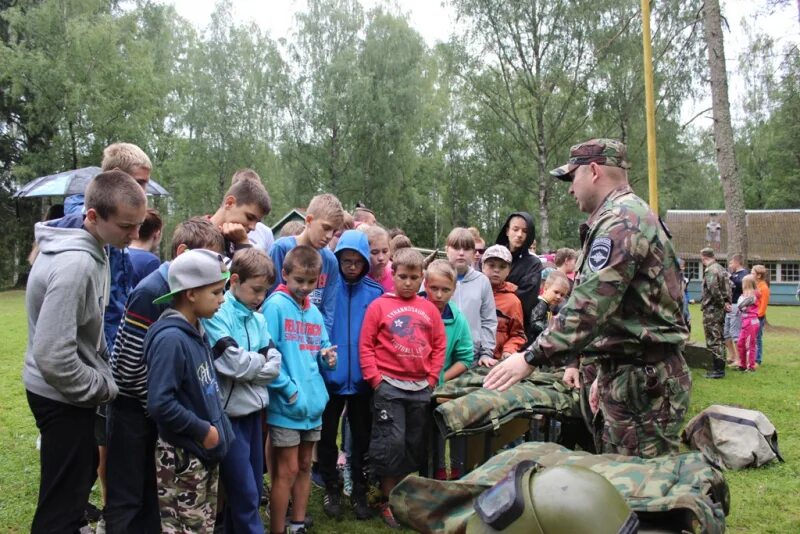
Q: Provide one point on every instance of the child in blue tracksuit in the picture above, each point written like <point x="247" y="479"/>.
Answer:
<point x="183" y="396"/>
<point x="298" y="396"/>
<point x="246" y="361"/>
<point x="345" y="384"/>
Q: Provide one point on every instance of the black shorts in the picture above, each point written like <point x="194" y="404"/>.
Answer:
<point x="400" y="421"/>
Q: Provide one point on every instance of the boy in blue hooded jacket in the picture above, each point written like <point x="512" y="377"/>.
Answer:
<point x="246" y="360"/>
<point x="183" y="396"/>
<point x="298" y="396"/>
<point x="345" y="384"/>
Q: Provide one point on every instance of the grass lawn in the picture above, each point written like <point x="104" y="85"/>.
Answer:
<point x="762" y="500"/>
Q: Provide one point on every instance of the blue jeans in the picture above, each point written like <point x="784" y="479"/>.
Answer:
<point x="760" y="345"/>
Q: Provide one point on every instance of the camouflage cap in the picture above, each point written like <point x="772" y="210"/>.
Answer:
<point x="499" y="252"/>
<point x="707" y="252"/>
<point x="608" y="152"/>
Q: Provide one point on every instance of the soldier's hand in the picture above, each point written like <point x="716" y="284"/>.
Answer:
<point x="235" y="232"/>
<point x="212" y="438"/>
<point x="572" y="377"/>
<point x="594" y="397"/>
<point x="507" y="373"/>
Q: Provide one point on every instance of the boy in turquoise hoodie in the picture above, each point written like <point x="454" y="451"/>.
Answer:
<point x="246" y="360"/>
<point x="440" y="284"/>
<point x="298" y="396"/>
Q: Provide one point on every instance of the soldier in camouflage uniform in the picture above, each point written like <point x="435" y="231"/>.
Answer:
<point x="624" y="313"/>
<point x="716" y="294"/>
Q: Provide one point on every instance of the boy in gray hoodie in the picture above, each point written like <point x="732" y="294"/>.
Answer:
<point x="66" y="375"/>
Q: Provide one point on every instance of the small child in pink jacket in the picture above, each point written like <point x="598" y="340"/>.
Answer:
<point x="748" y="307"/>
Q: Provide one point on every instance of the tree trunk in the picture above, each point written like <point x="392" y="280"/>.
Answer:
<point x="723" y="132"/>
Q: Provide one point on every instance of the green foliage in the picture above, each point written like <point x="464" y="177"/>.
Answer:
<point x="355" y="103"/>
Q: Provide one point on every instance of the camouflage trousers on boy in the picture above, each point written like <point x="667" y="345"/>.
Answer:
<point x="643" y="406"/>
<point x="187" y="491"/>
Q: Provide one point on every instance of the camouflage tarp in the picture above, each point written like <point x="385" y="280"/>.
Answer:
<point x="475" y="409"/>
<point x="681" y="489"/>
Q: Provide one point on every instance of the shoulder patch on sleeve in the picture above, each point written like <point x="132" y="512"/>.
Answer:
<point x="599" y="253"/>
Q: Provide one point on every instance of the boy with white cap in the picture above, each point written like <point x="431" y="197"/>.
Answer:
<point x="183" y="395"/>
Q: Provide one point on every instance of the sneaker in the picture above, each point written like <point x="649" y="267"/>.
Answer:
<point x="361" y="507"/>
<point x="92" y="513"/>
<point x="388" y="516"/>
<point x="332" y="504"/>
<point x="750" y="370"/>
<point x="440" y="474"/>
<point x="308" y="521"/>
<point x="455" y="473"/>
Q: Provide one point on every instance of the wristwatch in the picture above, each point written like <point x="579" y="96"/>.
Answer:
<point x="533" y="359"/>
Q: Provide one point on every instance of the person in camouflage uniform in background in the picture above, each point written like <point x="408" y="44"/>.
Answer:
<point x="625" y="312"/>
<point x="716" y="294"/>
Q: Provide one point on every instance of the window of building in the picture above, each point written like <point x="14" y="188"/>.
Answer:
<point x="772" y="268"/>
<point x="692" y="270"/>
<point x="790" y="272"/>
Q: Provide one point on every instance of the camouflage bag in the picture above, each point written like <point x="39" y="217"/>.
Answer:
<point x="470" y="408"/>
<point x="679" y="492"/>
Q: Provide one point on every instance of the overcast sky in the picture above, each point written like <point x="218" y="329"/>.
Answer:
<point x="434" y="22"/>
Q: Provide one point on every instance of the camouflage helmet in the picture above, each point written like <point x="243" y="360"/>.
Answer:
<point x="559" y="499"/>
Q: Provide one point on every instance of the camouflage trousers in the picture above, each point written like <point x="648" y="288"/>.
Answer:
<point x="713" y="327"/>
<point x="187" y="491"/>
<point x="643" y="406"/>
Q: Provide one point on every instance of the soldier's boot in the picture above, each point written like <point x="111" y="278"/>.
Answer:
<point x="718" y="371"/>
<point x="360" y="506"/>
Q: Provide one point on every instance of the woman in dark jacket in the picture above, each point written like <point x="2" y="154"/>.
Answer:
<point x="517" y="234"/>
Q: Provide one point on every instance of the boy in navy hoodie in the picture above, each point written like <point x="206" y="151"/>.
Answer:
<point x="183" y="396"/>
<point x="298" y="396"/>
<point x="346" y="386"/>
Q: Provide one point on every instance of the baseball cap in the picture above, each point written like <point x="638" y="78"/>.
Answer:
<point x="608" y="152"/>
<point x="194" y="268"/>
<point x="499" y="252"/>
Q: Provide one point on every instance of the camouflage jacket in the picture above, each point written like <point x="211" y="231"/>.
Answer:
<point x="627" y="294"/>
<point x="716" y="288"/>
<point x="665" y="492"/>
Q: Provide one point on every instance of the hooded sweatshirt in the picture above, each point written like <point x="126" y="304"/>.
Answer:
<point x="183" y="397"/>
<point x="299" y="333"/>
<point x="245" y="357"/>
<point x="510" y="323"/>
<point x="526" y="268"/>
<point x="473" y="297"/>
<point x="324" y="296"/>
<point x="352" y="300"/>
<point x="403" y="339"/>
<point x="65" y="298"/>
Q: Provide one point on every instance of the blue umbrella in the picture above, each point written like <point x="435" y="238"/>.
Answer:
<point x="69" y="183"/>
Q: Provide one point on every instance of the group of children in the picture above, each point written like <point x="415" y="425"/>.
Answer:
<point x="300" y="337"/>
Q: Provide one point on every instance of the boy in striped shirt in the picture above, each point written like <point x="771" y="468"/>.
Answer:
<point x="132" y="504"/>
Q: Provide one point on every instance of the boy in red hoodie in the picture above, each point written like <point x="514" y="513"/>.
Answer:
<point x="402" y="347"/>
<point x="510" y="322"/>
